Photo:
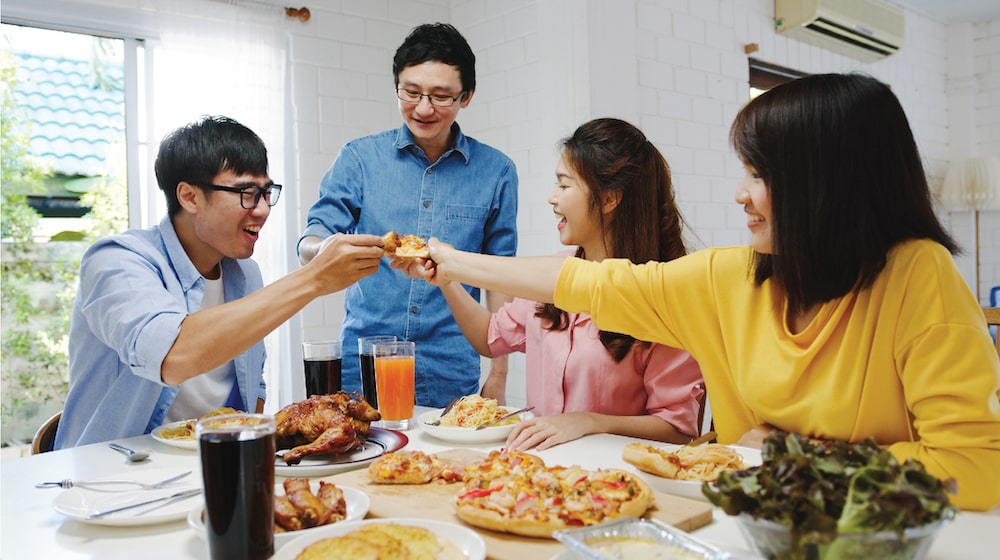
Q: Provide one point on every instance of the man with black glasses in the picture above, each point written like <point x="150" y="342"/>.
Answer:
<point x="168" y="322"/>
<point x="425" y="178"/>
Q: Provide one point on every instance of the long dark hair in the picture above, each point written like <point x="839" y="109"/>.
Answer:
<point x="612" y="156"/>
<point x="846" y="183"/>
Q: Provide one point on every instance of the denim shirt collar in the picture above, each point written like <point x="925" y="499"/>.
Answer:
<point x="187" y="274"/>
<point x="404" y="140"/>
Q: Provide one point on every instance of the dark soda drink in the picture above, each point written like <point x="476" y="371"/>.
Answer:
<point x="238" y="479"/>
<point x="322" y="376"/>
<point x="368" y="379"/>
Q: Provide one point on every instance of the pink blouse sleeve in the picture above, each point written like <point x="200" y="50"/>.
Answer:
<point x="507" y="327"/>
<point x="671" y="378"/>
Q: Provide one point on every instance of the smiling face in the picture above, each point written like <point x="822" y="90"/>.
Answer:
<point x="755" y="197"/>
<point x="579" y="221"/>
<point x="430" y="125"/>
<point x="215" y="225"/>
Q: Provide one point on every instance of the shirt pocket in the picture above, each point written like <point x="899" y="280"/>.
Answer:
<point x="464" y="226"/>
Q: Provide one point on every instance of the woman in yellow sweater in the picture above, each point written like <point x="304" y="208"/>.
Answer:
<point x="844" y="318"/>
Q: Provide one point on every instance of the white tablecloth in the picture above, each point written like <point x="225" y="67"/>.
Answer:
<point x="30" y="528"/>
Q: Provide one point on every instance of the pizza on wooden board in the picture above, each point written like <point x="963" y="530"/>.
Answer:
<point x="405" y="246"/>
<point x="525" y="497"/>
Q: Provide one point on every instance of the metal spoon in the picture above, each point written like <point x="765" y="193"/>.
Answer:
<point x="131" y="456"/>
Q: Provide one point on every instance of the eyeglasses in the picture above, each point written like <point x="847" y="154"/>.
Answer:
<point x="436" y="99"/>
<point x="250" y="196"/>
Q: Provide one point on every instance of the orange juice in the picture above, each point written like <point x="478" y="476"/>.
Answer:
<point x="394" y="379"/>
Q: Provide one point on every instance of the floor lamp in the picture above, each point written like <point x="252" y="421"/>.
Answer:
<point x="973" y="184"/>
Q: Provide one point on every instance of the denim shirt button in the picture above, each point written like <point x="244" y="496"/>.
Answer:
<point x="427" y="204"/>
<point x="429" y="171"/>
<point x="414" y="309"/>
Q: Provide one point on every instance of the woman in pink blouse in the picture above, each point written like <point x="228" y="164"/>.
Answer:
<point x="613" y="198"/>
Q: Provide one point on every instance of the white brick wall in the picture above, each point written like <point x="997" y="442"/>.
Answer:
<point x="676" y="68"/>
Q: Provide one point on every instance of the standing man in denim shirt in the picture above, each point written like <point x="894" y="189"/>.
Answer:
<point x="168" y="322"/>
<point x="424" y="178"/>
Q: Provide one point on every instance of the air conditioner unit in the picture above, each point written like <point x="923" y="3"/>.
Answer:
<point x="867" y="30"/>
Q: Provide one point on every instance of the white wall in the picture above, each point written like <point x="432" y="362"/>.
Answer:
<point x="676" y="68"/>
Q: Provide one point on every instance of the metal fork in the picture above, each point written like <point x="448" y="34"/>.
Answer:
<point x="447" y="409"/>
<point x="68" y="483"/>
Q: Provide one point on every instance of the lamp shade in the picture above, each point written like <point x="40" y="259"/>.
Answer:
<point x="972" y="184"/>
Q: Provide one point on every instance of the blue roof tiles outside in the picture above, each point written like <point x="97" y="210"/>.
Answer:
<point x="74" y="123"/>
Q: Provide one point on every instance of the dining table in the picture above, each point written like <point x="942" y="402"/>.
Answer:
<point x="30" y="527"/>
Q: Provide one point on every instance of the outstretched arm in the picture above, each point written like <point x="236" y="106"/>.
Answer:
<point x="544" y="432"/>
<point x="213" y="336"/>
<point x="531" y="278"/>
<point x="471" y="316"/>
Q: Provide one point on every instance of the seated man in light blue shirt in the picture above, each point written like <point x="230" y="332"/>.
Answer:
<point x="425" y="178"/>
<point x="169" y="321"/>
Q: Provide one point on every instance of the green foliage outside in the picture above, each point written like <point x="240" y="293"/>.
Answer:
<point x="39" y="276"/>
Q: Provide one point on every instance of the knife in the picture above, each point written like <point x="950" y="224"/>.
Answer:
<point x="175" y="496"/>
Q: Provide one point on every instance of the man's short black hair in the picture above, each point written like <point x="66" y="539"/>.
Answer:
<point x="437" y="42"/>
<point x="197" y="152"/>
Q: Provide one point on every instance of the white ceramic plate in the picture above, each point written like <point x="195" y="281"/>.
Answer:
<point x="692" y="488"/>
<point x="456" y="434"/>
<point x="357" y="508"/>
<point x="77" y="503"/>
<point x="467" y="540"/>
<point x="190" y="443"/>
<point x="379" y="441"/>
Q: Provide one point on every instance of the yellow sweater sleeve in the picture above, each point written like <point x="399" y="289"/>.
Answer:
<point x="907" y="362"/>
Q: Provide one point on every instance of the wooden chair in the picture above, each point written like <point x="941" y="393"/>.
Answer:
<point x="993" y="319"/>
<point x="46" y="435"/>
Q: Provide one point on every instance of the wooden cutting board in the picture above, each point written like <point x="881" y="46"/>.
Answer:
<point x="436" y="501"/>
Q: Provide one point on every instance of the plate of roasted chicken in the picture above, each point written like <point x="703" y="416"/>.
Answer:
<point x="325" y="434"/>
<point x="301" y="505"/>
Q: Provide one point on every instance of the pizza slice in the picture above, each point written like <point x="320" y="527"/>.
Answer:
<point x="405" y="246"/>
<point x="404" y="467"/>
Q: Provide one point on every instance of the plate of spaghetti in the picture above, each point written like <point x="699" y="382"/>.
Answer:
<point x="459" y="424"/>
<point x="680" y="470"/>
<point x="181" y="434"/>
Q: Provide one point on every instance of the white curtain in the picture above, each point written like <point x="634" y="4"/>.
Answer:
<point x="229" y="60"/>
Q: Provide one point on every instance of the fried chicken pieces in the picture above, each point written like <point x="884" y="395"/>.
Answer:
<point x="299" y="508"/>
<point x="323" y="424"/>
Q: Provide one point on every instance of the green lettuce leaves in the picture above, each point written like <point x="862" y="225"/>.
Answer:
<point x="820" y="490"/>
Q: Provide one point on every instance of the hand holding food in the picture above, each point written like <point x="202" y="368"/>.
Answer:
<point x="405" y="246"/>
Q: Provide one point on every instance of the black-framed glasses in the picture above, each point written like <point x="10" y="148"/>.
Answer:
<point x="250" y="196"/>
<point x="436" y="99"/>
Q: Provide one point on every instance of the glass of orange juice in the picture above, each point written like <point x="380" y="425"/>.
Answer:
<point x="394" y="382"/>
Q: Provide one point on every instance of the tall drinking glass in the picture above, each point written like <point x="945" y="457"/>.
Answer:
<point x="394" y="380"/>
<point x="367" y="358"/>
<point x="237" y="469"/>
<point x="321" y="360"/>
